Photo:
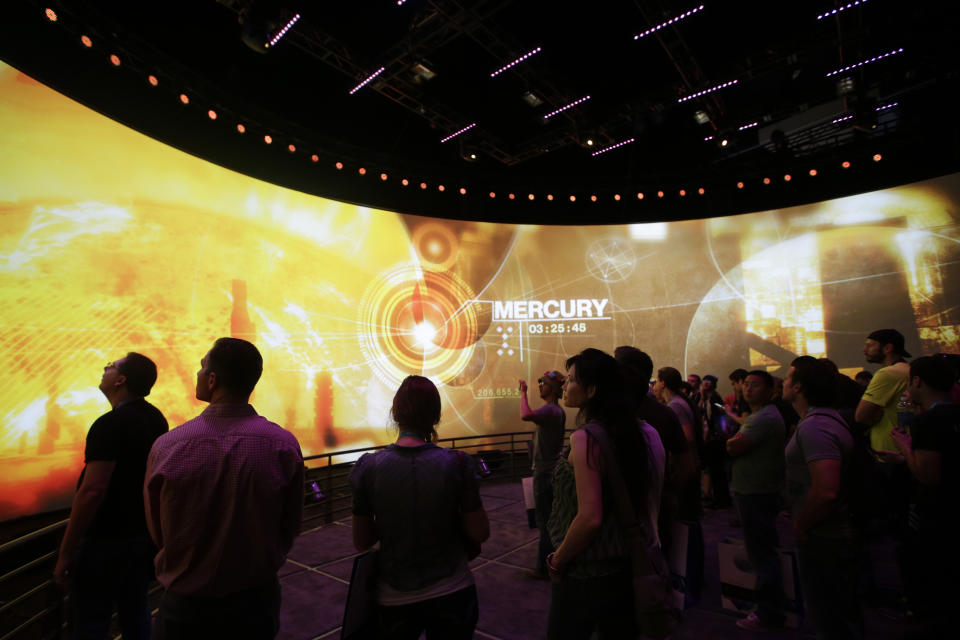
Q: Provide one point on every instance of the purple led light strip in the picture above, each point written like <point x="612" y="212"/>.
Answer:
<point x="613" y="146"/>
<point x="887" y="106"/>
<point x="850" y="5"/>
<point x="842" y="119"/>
<point x="515" y="62"/>
<point x="892" y="52"/>
<point x="454" y="135"/>
<point x="668" y="22"/>
<point x="748" y="126"/>
<point x="362" y="84"/>
<point x="706" y="91"/>
<point x="283" y="31"/>
<point x="708" y="139"/>
<point x="561" y="109"/>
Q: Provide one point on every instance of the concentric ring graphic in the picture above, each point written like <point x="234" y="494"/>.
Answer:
<point x="416" y="321"/>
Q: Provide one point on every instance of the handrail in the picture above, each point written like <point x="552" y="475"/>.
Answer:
<point x="16" y="542"/>
<point x="331" y="477"/>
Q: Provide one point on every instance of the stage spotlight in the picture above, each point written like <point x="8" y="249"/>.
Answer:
<point x="314" y="158"/>
<point x="87" y="42"/>
<point x="593" y="198"/>
<point x="291" y="148"/>
<point x="683" y="192"/>
<point x="51" y="15"/>
<point x="511" y="196"/>
<point x="639" y="195"/>
<point x="362" y="171"/>
<point x="724" y="142"/>
<point x="813" y="173"/>
<point x="573" y="198"/>
<point x="701" y="191"/>
<point x="268" y="139"/>
<point x="550" y="197"/>
<point x="877" y="157"/>
<point x="339" y="166"/>
<point x="153" y="80"/>
<point x="463" y="191"/>
<point x="423" y="185"/>
<point x="530" y="196"/>
<point x="616" y="197"/>
<point x="184" y="98"/>
<point x="383" y="176"/>
<point x="441" y="188"/>
<point x="404" y="182"/>
<point x="241" y="128"/>
<point x="114" y="60"/>
<point x="766" y="181"/>
<point x="493" y="194"/>
<point x="212" y="114"/>
<point x="659" y="194"/>
<point x="787" y="178"/>
<point x="740" y="185"/>
<point x="845" y="164"/>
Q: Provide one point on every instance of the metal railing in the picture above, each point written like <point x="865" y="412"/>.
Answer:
<point x="31" y="605"/>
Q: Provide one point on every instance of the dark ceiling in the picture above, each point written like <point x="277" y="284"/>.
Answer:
<point x="779" y="55"/>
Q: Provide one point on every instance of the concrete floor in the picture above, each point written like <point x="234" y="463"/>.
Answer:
<point x="513" y="607"/>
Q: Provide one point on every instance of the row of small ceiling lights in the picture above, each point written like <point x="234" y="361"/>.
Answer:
<point x="362" y="171"/>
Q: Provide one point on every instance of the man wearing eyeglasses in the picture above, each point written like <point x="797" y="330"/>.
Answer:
<point x="106" y="554"/>
<point x="551" y="421"/>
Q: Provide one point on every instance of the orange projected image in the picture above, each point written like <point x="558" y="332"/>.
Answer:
<point x="113" y="242"/>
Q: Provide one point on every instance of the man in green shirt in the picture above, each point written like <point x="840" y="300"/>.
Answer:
<point x="758" y="478"/>
<point x="878" y="407"/>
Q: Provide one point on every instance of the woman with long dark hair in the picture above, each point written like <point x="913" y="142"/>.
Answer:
<point x="592" y="588"/>
<point x="423" y="504"/>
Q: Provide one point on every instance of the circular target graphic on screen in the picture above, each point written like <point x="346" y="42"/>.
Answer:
<point x="610" y="260"/>
<point x="436" y="244"/>
<point x="416" y="321"/>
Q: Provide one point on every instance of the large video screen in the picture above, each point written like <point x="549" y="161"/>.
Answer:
<point x="113" y="242"/>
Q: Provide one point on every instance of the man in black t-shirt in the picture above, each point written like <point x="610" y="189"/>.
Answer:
<point x="931" y="450"/>
<point x="106" y="556"/>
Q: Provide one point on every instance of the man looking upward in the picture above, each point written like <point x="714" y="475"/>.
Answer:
<point x="105" y="556"/>
<point x="547" y="444"/>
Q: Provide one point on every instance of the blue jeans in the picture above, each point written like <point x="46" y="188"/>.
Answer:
<point x="580" y="606"/>
<point x="828" y="575"/>
<point x="450" y="617"/>
<point x="758" y="516"/>
<point x="543" y="502"/>
<point x="108" y="573"/>
<point x="252" y="614"/>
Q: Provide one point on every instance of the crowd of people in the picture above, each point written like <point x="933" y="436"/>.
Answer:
<point x="846" y="458"/>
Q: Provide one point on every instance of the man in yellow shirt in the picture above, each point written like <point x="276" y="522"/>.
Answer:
<point x="878" y="406"/>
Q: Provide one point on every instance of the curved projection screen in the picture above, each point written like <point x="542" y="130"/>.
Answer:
<point x="112" y="242"/>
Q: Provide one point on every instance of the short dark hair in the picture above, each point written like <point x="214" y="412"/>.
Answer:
<point x="763" y="375"/>
<point x="693" y="375"/>
<point x="817" y="382"/>
<point x="863" y="375"/>
<point x="140" y="372"/>
<point x="934" y="372"/>
<point x="738" y="375"/>
<point x="670" y="378"/>
<point x="712" y="378"/>
<point x="834" y="369"/>
<point x="237" y="363"/>
<point x="416" y="407"/>
<point x="635" y="359"/>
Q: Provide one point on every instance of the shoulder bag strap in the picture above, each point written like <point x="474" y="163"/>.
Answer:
<point x="630" y="525"/>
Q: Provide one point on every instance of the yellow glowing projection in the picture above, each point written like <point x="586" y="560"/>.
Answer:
<point x="112" y="242"/>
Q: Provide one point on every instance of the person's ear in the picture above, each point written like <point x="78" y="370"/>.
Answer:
<point x="120" y="381"/>
<point x="591" y="391"/>
<point x="212" y="381"/>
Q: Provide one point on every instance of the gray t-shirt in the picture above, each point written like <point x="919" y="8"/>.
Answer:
<point x="821" y="435"/>
<point x="417" y="495"/>
<point x="761" y="469"/>
<point x="551" y="420"/>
